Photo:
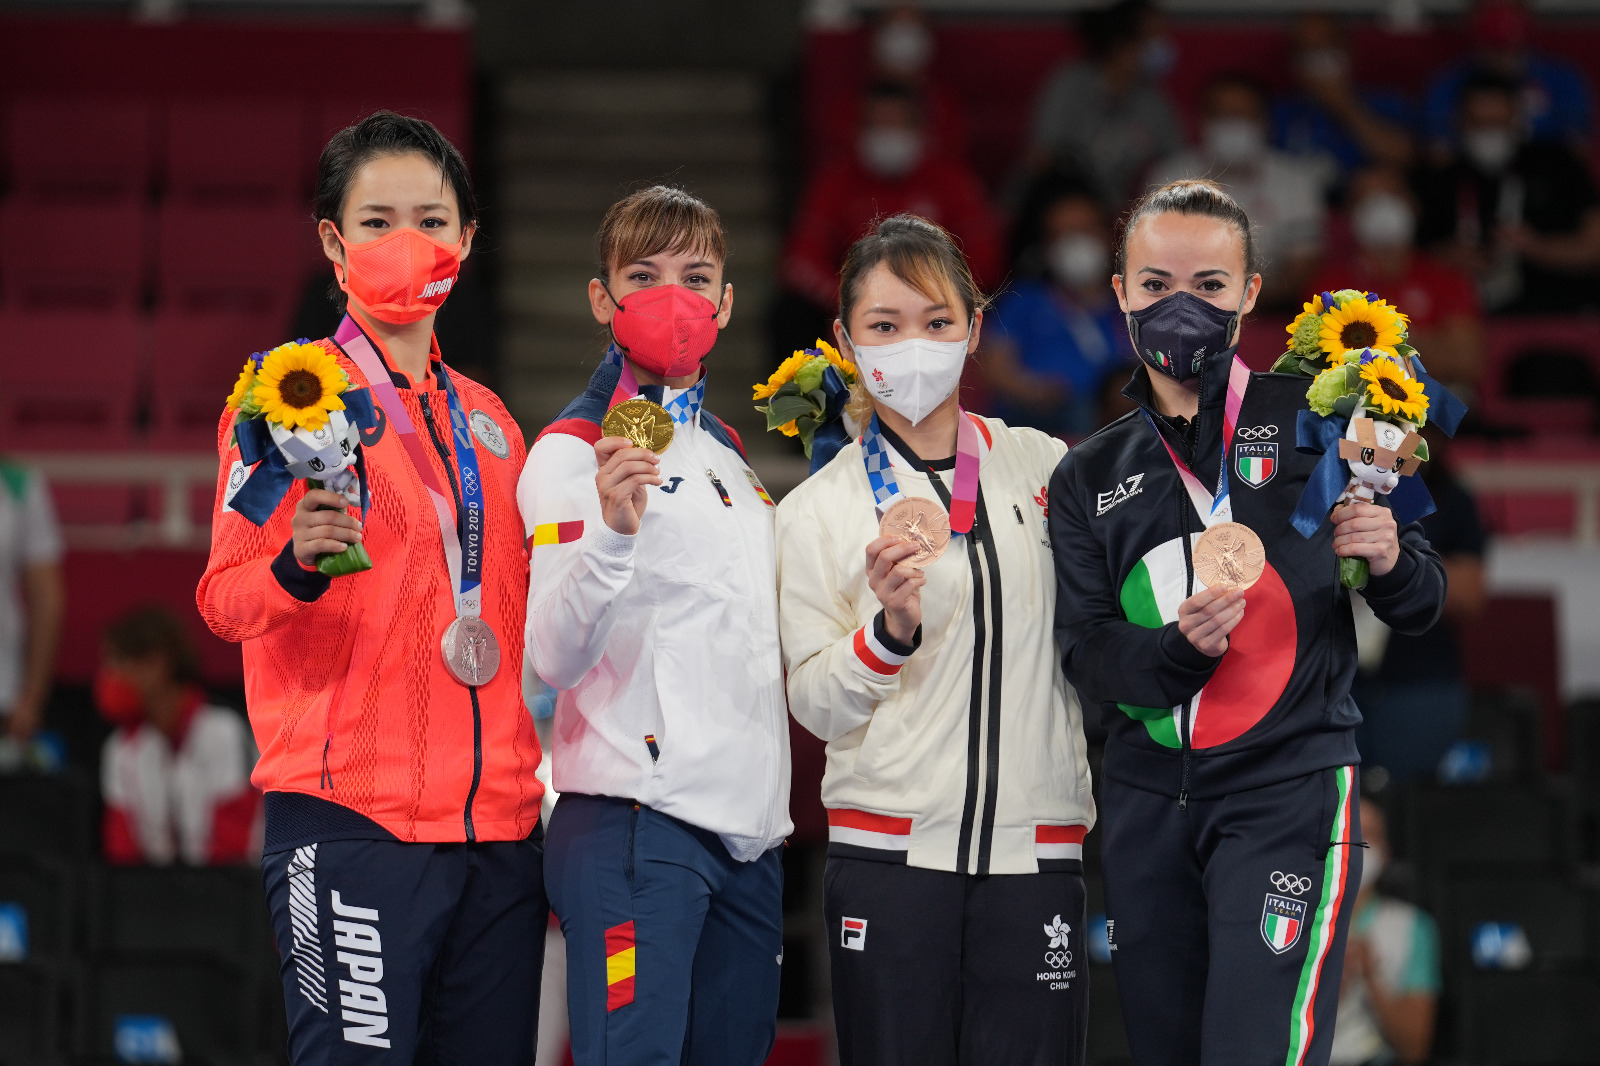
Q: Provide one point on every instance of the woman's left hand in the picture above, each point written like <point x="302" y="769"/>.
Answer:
<point x="1367" y="531"/>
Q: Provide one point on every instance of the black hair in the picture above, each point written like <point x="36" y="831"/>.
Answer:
<point x="1104" y="30"/>
<point x="921" y="253"/>
<point x="1190" y="197"/>
<point x="387" y="133"/>
<point x="155" y="630"/>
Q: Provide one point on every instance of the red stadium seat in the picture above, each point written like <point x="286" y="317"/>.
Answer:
<point x="80" y="256"/>
<point x="234" y="150"/>
<point x="451" y="116"/>
<point x="1512" y="339"/>
<point x="65" y="147"/>
<point x="194" y="360"/>
<point x="212" y="258"/>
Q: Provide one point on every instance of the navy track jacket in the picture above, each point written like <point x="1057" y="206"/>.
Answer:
<point x="1277" y="703"/>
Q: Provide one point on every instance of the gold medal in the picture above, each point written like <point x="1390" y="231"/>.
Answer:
<point x="921" y="522"/>
<point x="1229" y="555"/>
<point x="644" y="423"/>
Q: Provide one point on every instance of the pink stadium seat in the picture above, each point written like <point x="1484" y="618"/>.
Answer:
<point x="1511" y="338"/>
<point x="72" y="384"/>
<point x="87" y="256"/>
<point x="234" y="150"/>
<point x="66" y="147"/>
<point x="255" y="262"/>
<point x="194" y="360"/>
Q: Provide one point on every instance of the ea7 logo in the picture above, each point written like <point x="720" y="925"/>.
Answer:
<point x="1107" y="500"/>
<point x="853" y="935"/>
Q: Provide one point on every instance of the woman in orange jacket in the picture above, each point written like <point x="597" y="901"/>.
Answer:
<point x="403" y="854"/>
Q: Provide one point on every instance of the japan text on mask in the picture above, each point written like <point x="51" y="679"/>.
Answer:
<point x="890" y="151"/>
<point x="1079" y="260"/>
<point x="1234" y="140"/>
<point x="1383" y="221"/>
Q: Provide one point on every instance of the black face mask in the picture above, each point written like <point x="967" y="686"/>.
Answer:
<point x="1176" y="333"/>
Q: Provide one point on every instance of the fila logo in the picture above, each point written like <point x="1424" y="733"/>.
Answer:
<point x="362" y="1001"/>
<point x="853" y="935"/>
<point x="438" y="288"/>
<point x="1106" y="500"/>
<point x="1256" y="432"/>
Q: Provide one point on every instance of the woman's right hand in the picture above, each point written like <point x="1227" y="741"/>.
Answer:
<point x="624" y="479"/>
<point x="318" y="531"/>
<point x="898" y="587"/>
<point x="1208" y="616"/>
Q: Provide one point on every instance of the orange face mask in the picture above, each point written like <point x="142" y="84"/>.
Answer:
<point x="402" y="276"/>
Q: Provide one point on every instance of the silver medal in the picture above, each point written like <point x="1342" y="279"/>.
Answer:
<point x="471" y="651"/>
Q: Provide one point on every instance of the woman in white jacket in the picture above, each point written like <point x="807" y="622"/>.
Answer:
<point x="916" y="593"/>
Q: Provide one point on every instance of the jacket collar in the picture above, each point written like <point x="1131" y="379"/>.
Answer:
<point x="1208" y="419"/>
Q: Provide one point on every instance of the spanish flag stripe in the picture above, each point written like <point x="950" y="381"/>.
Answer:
<point x="620" y="965"/>
<point x="556" y="533"/>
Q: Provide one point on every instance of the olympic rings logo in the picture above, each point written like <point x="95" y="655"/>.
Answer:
<point x="1058" y="960"/>
<point x="1256" y="432"/>
<point x="1290" y="883"/>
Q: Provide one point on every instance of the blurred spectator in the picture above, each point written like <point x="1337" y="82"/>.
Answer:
<point x="1105" y="118"/>
<point x="1412" y="691"/>
<point x="1446" y="322"/>
<point x="1521" y="217"/>
<point x="1390" y="992"/>
<point x="175" y="775"/>
<point x="1051" y="340"/>
<point x="902" y="50"/>
<point x="1281" y="193"/>
<point x="31" y="598"/>
<point x="1331" y="121"/>
<point x="891" y="171"/>
<point x="1552" y="96"/>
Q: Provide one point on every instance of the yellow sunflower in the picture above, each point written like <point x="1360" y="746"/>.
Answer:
<point x="298" y="385"/>
<point x="1390" y="391"/>
<point x="1359" y="324"/>
<point x="241" y="388"/>
<point x="843" y="365"/>
<point x="781" y="376"/>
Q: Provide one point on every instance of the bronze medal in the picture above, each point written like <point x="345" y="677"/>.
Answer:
<point x="644" y="423"/>
<point x="921" y="522"/>
<point x="471" y="651"/>
<point x="1229" y="555"/>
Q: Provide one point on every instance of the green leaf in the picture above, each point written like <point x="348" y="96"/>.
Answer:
<point x="1311" y="367"/>
<point x="1405" y="350"/>
<point x="1352" y="377"/>
<point x="1354" y="573"/>
<point x="1287" y="363"/>
<point x="1423" y="455"/>
<point x="788" y="408"/>
<point x="788" y="388"/>
<point x="353" y="560"/>
<point x="1345" y="406"/>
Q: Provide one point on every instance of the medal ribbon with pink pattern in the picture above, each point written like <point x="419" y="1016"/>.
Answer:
<point x="964" y="489"/>
<point x="1214" y="510"/>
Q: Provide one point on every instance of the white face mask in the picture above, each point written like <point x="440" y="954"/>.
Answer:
<point x="1490" y="148"/>
<point x="1080" y="260"/>
<point x="903" y="46"/>
<point x="1233" y="140"/>
<point x="889" y="151"/>
<point x="1382" y="221"/>
<point x="911" y="377"/>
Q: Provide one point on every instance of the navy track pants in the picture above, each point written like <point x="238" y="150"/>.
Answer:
<point x="674" y="948"/>
<point x="401" y="953"/>
<point x="1228" y="918"/>
<point x="932" y="968"/>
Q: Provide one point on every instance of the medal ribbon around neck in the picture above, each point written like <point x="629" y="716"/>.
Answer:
<point x="963" y="491"/>
<point x="1214" y="510"/>
<point x="465" y="566"/>
<point x="684" y="407"/>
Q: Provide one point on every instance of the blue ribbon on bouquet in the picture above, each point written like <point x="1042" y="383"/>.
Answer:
<point x="1320" y="435"/>
<point x="269" y="478"/>
<point x="830" y="434"/>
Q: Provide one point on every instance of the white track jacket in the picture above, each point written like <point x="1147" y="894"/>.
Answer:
<point x="664" y="645"/>
<point x="967" y="753"/>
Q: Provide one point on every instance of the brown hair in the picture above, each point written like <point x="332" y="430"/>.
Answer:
<point x="153" y="630"/>
<point x="1190" y="197"/>
<point x="658" y="219"/>
<point x="920" y="253"/>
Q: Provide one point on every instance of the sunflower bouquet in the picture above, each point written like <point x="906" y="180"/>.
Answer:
<point x="807" y="394"/>
<point x="296" y="416"/>
<point x="1369" y="396"/>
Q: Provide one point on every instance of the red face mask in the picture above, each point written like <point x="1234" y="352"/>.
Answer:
<point x="402" y="276"/>
<point x="665" y="329"/>
<point x="119" y="701"/>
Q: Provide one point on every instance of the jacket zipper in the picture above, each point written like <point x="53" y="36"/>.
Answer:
<point x="1188" y="704"/>
<point x="472" y="690"/>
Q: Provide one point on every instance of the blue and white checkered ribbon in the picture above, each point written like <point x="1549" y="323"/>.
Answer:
<point x="880" y="474"/>
<point x="686" y="405"/>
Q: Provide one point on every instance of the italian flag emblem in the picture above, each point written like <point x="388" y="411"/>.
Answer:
<point x="1253" y="672"/>
<point x="1256" y="463"/>
<point x="1281" y="920"/>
